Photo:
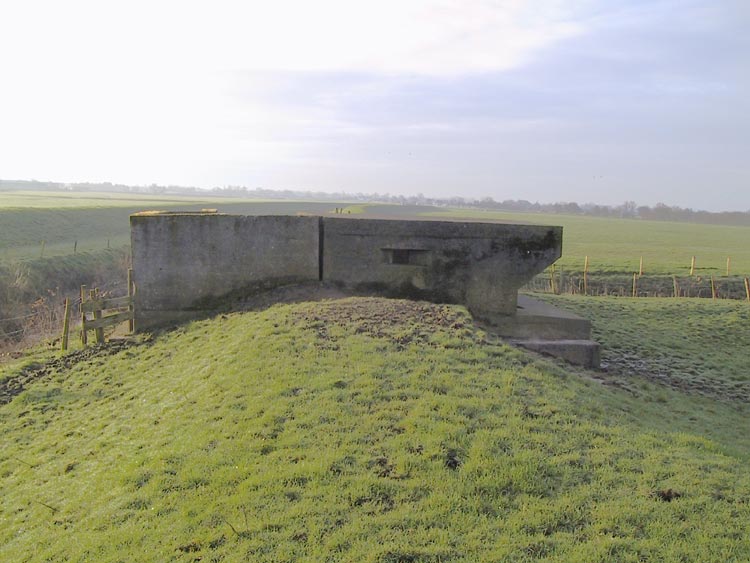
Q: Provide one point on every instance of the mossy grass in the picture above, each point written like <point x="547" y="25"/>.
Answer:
<point x="310" y="432"/>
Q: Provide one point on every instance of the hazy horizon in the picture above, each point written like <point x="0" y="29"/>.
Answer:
<point x="542" y="101"/>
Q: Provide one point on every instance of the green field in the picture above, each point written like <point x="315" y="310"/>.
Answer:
<point x="383" y="431"/>
<point x="613" y="245"/>
<point x="616" y="245"/>
<point x="43" y="224"/>
<point x="25" y="199"/>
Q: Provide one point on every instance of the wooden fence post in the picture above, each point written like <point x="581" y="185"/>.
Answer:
<point x="99" y="332"/>
<point x="131" y="308"/>
<point x="713" y="288"/>
<point x="640" y="267"/>
<point x="635" y="284"/>
<point x="747" y="288"/>
<point x="561" y="287"/>
<point x="552" y="279"/>
<point x="692" y="266"/>
<point x="66" y="326"/>
<point x="586" y="276"/>
<point x="676" y="286"/>
<point x="84" y="336"/>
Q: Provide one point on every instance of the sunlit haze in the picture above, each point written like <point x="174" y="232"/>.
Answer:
<point x="546" y="101"/>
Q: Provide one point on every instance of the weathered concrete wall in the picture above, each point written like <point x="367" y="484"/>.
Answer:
<point x="189" y="264"/>
<point x="185" y="264"/>
<point x="481" y="265"/>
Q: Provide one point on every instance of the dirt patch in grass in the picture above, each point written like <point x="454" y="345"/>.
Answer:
<point x="674" y="374"/>
<point x="376" y="316"/>
<point x="398" y="320"/>
<point x="16" y="383"/>
<point x="667" y="495"/>
<point x="452" y="460"/>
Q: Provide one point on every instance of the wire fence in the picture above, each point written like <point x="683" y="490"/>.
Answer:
<point x="44" y="319"/>
<point x="33" y="293"/>
<point x="634" y="285"/>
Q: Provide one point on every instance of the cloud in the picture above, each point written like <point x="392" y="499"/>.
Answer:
<point x="146" y="90"/>
<point x="440" y="37"/>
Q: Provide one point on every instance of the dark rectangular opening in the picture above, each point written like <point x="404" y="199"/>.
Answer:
<point x="400" y="256"/>
<point x="406" y="256"/>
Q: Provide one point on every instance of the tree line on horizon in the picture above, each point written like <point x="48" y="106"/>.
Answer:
<point x="625" y="210"/>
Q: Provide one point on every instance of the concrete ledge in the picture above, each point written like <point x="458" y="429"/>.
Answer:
<point x="580" y="352"/>
<point x="546" y="329"/>
<point x="537" y="320"/>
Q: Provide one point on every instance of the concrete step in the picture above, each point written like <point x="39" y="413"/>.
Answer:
<point x="580" y="352"/>
<point x="535" y="320"/>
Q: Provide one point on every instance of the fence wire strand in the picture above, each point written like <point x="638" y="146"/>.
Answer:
<point x="19" y="318"/>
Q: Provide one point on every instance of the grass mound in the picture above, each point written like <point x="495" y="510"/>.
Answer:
<point x="360" y="430"/>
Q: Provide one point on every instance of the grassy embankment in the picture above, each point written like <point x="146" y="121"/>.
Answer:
<point x="371" y="430"/>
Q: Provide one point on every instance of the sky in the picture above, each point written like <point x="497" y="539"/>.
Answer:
<point x="543" y="100"/>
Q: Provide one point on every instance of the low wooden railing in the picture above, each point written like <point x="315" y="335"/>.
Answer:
<point x="95" y="313"/>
